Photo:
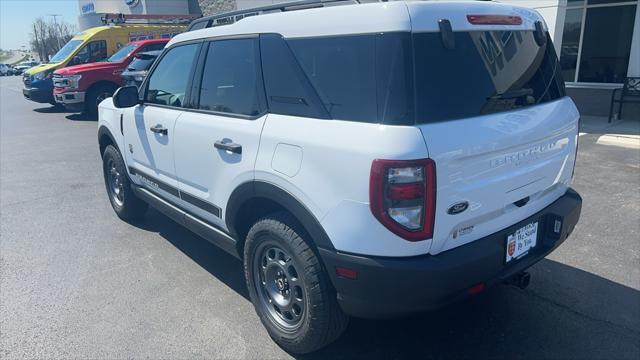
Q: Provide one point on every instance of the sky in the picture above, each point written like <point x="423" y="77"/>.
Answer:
<point x="16" y="17"/>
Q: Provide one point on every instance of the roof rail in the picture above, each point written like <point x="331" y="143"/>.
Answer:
<point x="231" y="17"/>
<point x="148" y="19"/>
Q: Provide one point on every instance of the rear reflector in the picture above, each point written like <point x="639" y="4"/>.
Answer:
<point x="347" y="273"/>
<point x="476" y="289"/>
<point x="494" y="20"/>
<point x="405" y="191"/>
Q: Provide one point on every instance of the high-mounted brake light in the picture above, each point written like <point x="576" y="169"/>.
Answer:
<point x="494" y="20"/>
<point x="402" y="196"/>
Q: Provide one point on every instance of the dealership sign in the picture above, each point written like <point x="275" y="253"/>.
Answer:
<point x="88" y="8"/>
<point x="131" y="3"/>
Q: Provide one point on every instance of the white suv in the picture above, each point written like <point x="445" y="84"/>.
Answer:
<point x="369" y="160"/>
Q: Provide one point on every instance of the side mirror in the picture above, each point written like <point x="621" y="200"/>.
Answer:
<point x="126" y="96"/>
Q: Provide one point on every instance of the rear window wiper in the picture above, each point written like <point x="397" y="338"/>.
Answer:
<point x="512" y="94"/>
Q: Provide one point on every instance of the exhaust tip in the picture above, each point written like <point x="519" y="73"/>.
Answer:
<point x="521" y="280"/>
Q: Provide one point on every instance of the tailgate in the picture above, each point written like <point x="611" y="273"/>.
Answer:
<point x="506" y="166"/>
<point x="491" y="105"/>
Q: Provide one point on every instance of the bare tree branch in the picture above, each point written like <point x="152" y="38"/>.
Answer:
<point x="47" y="37"/>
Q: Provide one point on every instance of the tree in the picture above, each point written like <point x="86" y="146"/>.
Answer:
<point x="47" y="37"/>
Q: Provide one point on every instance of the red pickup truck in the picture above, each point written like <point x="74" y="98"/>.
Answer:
<point x="83" y="87"/>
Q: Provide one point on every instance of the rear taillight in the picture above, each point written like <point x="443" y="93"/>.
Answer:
<point x="402" y="196"/>
<point x="494" y="20"/>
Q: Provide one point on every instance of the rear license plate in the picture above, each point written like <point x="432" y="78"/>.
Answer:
<point x="521" y="241"/>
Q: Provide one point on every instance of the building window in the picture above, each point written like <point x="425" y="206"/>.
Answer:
<point x="596" y="41"/>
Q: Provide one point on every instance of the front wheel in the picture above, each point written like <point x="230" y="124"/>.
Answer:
<point x="95" y="96"/>
<point x="289" y="288"/>
<point x="124" y="202"/>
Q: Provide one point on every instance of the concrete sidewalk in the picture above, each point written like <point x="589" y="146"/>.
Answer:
<point x="623" y="133"/>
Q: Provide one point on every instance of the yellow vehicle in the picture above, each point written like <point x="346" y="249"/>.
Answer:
<point x="95" y="44"/>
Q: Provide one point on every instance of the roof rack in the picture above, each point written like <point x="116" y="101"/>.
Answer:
<point x="148" y="19"/>
<point x="231" y="17"/>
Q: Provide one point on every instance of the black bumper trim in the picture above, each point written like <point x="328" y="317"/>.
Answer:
<point x="38" y="95"/>
<point x="389" y="287"/>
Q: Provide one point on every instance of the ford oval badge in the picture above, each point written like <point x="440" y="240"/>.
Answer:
<point x="457" y="208"/>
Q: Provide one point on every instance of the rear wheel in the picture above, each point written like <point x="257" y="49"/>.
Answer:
<point x="289" y="288"/>
<point x="95" y="97"/>
<point x="124" y="202"/>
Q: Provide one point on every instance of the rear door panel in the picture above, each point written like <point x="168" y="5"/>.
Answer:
<point x="207" y="175"/>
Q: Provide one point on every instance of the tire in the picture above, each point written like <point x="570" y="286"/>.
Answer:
<point x="124" y="202"/>
<point x="95" y="96"/>
<point x="282" y="271"/>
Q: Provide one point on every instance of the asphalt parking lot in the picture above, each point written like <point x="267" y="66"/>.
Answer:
<point x="75" y="281"/>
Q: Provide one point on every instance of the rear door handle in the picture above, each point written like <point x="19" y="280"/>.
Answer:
<point x="159" y="129"/>
<point x="228" y="146"/>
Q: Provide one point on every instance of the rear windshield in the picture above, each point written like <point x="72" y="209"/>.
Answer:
<point x="402" y="78"/>
<point x="486" y="72"/>
<point x="139" y="64"/>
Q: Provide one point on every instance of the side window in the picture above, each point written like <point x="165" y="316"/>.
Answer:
<point x="230" y="79"/>
<point x="92" y="52"/>
<point x="288" y="89"/>
<point x="365" y="78"/>
<point x="342" y="71"/>
<point x="168" y="82"/>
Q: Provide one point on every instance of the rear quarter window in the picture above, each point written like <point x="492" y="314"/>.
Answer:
<point x="362" y="78"/>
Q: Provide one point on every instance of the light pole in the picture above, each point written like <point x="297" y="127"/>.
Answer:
<point x="55" y="24"/>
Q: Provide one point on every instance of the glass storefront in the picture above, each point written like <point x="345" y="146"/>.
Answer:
<point x="596" y="41"/>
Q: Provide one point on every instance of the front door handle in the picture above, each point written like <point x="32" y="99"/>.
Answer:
<point x="159" y="129"/>
<point x="228" y="146"/>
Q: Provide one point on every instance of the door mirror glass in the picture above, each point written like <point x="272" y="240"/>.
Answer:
<point x="126" y="96"/>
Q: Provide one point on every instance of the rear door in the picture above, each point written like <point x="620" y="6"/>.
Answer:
<point x="149" y="128"/>
<point x="216" y="143"/>
<point x="492" y="109"/>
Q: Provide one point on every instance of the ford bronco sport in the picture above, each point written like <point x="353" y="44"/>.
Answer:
<point x="367" y="160"/>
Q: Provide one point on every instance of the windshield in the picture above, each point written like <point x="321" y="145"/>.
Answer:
<point x="122" y="53"/>
<point x="66" y="50"/>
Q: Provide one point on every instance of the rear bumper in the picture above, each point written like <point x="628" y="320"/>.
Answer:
<point x="39" y="95"/>
<point x="388" y="287"/>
